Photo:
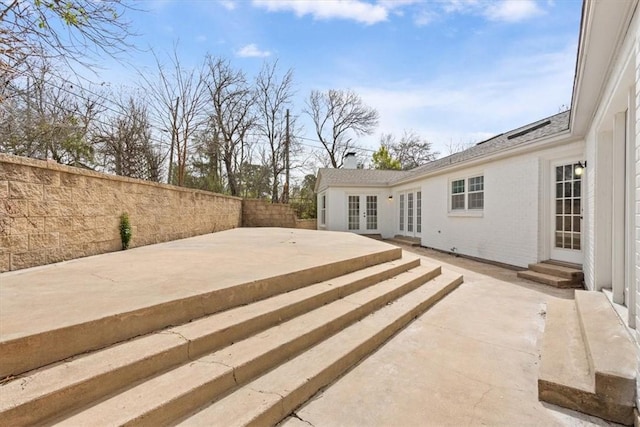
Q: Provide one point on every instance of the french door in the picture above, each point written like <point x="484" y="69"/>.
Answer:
<point x="566" y="241"/>
<point x="362" y="213"/>
<point x="410" y="213"/>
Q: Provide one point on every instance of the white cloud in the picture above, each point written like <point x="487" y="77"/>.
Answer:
<point x="499" y="10"/>
<point x="201" y="38"/>
<point x="252" y="51"/>
<point x="461" y="109"/>
<point x="356" y="10"/>
<point x="227" y="4"/>
<point x="512" y="10"/>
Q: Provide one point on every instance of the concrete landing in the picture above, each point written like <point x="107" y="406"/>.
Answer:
<point x="164" y="284"/>
<point x="472" y="360"/>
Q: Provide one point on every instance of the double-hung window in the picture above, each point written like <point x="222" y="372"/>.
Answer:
<point x="467" y="194"/>
<point x="323" y="209"/>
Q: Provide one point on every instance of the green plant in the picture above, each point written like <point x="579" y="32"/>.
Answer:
<point x="125" y="230"/>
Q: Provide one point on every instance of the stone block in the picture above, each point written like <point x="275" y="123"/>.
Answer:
<point x="45" y="176"/>
<point x="26" y="226"/>
<point x="15" y="242"/>
<point x="59" y="194"/>
<point x="46" y="208"/>
<point x="12" y="172"/>
<point x="26" y="190"/>
<point x="4" y="189"/>
<point x="28" y="259"/>
<point x="14" y="208"/>
<point x="71" y="180"/>
<point x="43" y="241"/>
<point x="5" y="260"/>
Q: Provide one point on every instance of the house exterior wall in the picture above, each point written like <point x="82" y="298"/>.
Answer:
<point x="515" y="225"/>
<point x="504" y="231"/>
<point x="336" y="208"/>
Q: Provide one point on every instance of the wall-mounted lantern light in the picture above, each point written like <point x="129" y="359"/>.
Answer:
<point x="390" y="196"/>
<point x="579" y="170"/>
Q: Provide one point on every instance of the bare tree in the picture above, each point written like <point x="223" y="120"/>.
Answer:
<point x="339" y="116"/>
<point x="46" y="118"/>
<point x="456" y="147"/>
<point x="232" y="116"/>
<point x="125" y="145"/>
<point x="178" y="100"/>
<point x="411" y="149"/>
<point x="273" y="99"/>
<point x="72" y="31"/>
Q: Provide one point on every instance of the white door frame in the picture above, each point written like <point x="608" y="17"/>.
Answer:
<point x="559" y="253"/>
<point x="410" y="206"/>
<point x="368" y="214"/>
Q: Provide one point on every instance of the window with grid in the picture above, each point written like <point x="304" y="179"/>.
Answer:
<point x="476" y="193"/>
<point x="457" y="194"/>
<point x="323" y="209"/>
<point x="419" y="212"/>
<point x="401" y="219"/>
<point x="354" y="212"/>
<point x="372" y="212"/>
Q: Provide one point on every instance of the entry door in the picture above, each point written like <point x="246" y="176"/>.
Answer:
<point x="566" y="241"/>
<point x="410" y="213"/>
<point x="362" y="213"/>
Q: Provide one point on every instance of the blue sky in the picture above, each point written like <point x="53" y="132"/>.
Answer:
<point x="454" y="71"/>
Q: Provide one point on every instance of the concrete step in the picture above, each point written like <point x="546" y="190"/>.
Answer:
<point x="175" y="393"/>
<point x="548" y="279"/>
<point x="74" y="383"/>
<point x="273" y="396"/>
<point x="558" y="270"/>
<point x="100" y="311"/>
<point x="405" y="240"/>
<point x="610" y="350"/>
<point x="587" y="360"/>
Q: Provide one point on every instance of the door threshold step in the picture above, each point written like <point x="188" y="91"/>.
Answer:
<point x="550" y="280"/>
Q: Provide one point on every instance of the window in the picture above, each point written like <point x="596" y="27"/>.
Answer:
<point x="323" y="209"/>
<point x="467" y="194"/>
<point x="401" y="219"/>
<point x="457" y="194"/>
<point x="476" y="193"/>
<point x="419" y="212"/>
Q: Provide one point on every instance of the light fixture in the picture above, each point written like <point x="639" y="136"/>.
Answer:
<point x="390" y="196"/>
<point x="579" y="170"/>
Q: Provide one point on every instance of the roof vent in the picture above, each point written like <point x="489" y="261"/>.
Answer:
<point x="528" y="130"/>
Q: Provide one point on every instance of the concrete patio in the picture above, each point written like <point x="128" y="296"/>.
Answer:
<point x="470" y="360"/>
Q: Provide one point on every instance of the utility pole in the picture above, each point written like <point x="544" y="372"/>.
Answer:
<point x="287" y="142"/>
<point x="174" y="115"/>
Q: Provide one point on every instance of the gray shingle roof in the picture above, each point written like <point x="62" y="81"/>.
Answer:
<point x="536" y="130"/>
<point x="371" y="177"/>
<point x="328" y="177"/>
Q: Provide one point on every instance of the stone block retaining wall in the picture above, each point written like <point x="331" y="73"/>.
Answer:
<point x="50" y="212"/>
<point x="262" y="213"/>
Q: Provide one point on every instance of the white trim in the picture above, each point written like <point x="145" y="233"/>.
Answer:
<point x="466" y="212"/>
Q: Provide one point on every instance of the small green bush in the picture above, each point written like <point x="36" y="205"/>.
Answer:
<point x="125" y="230"/>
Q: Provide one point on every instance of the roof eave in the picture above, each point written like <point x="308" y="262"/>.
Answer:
<point x="530" y="146"/>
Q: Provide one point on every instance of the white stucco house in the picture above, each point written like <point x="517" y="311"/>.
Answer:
<point x="563" y="188"/>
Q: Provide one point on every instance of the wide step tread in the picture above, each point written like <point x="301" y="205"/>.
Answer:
<point x="548" y="279"/>
<point x="158" y="400"/>
<point x="557" y="270"/>
<point x="271" y="397"/>
<point x="77" y="382"/>
<point x="609" y="347"/>
<point x="564" y="363"/>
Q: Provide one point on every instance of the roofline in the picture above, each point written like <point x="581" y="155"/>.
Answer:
<point x="550" y="141"/>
